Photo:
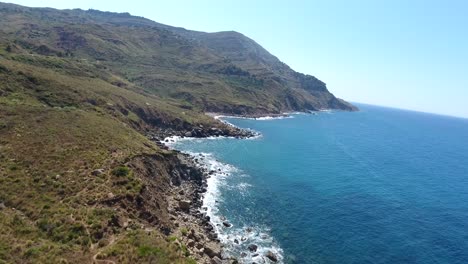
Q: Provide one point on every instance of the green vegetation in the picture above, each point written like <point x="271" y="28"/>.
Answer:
<point x="138" y="247"/>
<point x="121" y="171"/>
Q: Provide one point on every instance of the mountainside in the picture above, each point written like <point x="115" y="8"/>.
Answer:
<point x="214" y="72"/>
<point x="85" y="97"/>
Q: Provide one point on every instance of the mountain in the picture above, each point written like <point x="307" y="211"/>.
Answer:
<point x="213" y="72"/>
<point x="85" y="97"/>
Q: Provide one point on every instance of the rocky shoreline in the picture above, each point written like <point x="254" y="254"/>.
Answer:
<point x="191" y="225"/>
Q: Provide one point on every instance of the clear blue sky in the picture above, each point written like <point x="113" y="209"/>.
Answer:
<point x="400" y="53"/>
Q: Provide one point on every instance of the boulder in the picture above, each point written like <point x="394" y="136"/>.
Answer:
<point x="271" y="256"/>
<point x="211" y="253"/>
<point x="188" y="134"/>
<point x="227" y="224"/>
<point x="252" y="247"/>
<point x="191" y="243"/>
<point x="97" y="172"/>
<point x="216" y="260"/>
<point x="184" y="205"/>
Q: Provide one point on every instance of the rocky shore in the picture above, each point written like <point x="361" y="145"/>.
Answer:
<point x="188" y="225"/>
<point x="192" y="227"/>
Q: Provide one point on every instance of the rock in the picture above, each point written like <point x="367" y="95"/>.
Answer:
<point x="252" y="247"/>
<point x="97" y="172"/>
<point x="191" y="243"/>
<point x="211" y="253"/>
<point x="184" y="205"/>
<point x="199" y="246"/>
<point x="255" y="255"/>
<point x="188" y="134"/>
<point x="110" y="195"/>
<point x="216" y="260"/>
<point x="243" y="255"/>
<point x="271" y="256"/>
<point x="236" y="241"/>
<point x="227" y="224"/>
<point x="2" y="206"/>
<point x="248" y="229"/>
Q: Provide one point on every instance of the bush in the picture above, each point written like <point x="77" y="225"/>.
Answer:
<point x="121" y="171"/>
<point x="145" y="251"/>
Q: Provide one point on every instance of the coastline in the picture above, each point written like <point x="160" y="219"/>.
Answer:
<point x="193" y="205"/>
<point x="192" y="218"/>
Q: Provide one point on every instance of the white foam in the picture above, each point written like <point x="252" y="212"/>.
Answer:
<point x="273" y="117"/>
<point x="261" y="118"/>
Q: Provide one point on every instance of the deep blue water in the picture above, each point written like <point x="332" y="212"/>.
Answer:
<point x="376" y="186"/>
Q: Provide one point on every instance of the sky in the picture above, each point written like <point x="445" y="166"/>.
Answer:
<point x="398" y="53"/>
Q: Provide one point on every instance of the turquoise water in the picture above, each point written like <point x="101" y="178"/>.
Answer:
<point x="376" y="186"/>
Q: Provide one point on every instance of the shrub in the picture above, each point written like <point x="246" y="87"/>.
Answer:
<point x="121" y="171"/>
<point x="145" y="251"/>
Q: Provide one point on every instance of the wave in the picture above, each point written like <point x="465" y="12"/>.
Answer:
<point x="260" y="118"/>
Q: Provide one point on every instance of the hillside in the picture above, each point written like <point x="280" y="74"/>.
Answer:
<point x="214" y="72"/>
<point x="85" y="95"/>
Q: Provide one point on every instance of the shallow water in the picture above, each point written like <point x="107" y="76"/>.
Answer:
<point x="376" y="186"/>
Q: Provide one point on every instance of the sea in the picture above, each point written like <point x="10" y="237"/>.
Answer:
<point x="380" y="185"/>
